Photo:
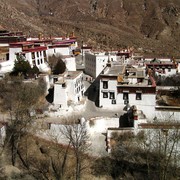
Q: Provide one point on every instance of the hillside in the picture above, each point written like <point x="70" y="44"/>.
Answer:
<point x="152" y="25"/>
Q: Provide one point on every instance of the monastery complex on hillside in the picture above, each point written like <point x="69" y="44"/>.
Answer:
<point x="120" y="79"/>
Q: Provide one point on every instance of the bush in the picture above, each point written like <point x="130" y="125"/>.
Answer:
<point x="60" y="67"/>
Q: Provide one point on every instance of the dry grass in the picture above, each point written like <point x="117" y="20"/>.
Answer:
<point x="110" y="24"/>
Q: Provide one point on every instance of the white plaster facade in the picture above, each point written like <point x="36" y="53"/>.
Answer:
<point x="34" y="55"/>
<point x="58" y="50"/>
<point x="42" y="48"/>
<point x="70" y="62"/>
<point x="162" y="66"/>
<point x="96" y="62"/>
<point x="69" y="89"/>
<point x="118" y="90"/>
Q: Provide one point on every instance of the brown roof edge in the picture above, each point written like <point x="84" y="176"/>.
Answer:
<point x="159" y="126"/>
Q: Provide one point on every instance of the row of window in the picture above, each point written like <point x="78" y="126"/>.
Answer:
<point x="39" y="54"/>
<point x="126" y="96"/>
<point x="163" y="69"/>
<point x="39" y="61"/>
<point x="79" y="88"/>
<point x="80" y="80"/>
<point x="111" y="95"/>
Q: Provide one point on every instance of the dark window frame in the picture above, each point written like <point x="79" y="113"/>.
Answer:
<point x="125" y="96"/>
<point x="113" y="101"/>
<point x="105" y="84"/>
<point x="111" y="95"/>
<point x="138" y="96"/>
<point x="105" y="94"/>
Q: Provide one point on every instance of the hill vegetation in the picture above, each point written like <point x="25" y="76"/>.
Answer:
<point x="153" y="26"/>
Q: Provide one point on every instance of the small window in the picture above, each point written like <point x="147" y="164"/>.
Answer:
<point x="125" y="96"/>
<point x="7" y="56"/>
<point x="126" y="102"/>
<point x="33" y="55"/>
<point x="37" y="54"/>
<point x="105" y="94"/>
<point x="105" y="84"/>
<point x="41" y="61"/>
<point x="169" y="69"/>
<point x="138" y="96"/>
<point x="111" y="95"/>
<point x="139" y="80"/>
<point x="33" y="62"/>
<point x="55" y="79"/>
<point x="113" y="101"/>
<point x="44" y="53"/>
<point x="64" y="85"/>
<point x="38" y="62"/>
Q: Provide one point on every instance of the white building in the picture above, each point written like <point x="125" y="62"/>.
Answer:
<point x="121" y="85"/>
<point x="69" y="89"/>
<point x="162" y="66"/>
<point x="86" y="49"/>
<point x="35" y="55"/>
<point x="96" y="62"/>
<point x="70" y="62"/>
<point x="35" y="50"/>
<point x="58" y="49"/>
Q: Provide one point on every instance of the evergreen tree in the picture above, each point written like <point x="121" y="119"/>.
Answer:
<point x="60" y="67"/>
<point x="21" y="66"/>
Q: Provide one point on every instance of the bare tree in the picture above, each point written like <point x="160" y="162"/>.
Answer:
<point x="156" y="148"/>
<point x="78" y="138"/>
<point x="18" y="99"/>
<point x="153" y="153"/>
<point x="58" y="157"/>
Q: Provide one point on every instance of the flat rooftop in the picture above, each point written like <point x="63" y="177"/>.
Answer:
<point x="72" y="74"/>
<point x="114" y="70"/>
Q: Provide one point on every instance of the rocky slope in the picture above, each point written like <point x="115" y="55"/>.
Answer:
<point x="153" y="25"/>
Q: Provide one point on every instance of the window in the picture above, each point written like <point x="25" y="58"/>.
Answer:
<point x="64" y="85"/>
<point x="163" y="69"/>
<point x="44" y="53"/>
<point x="33" y="55"/>
<point x="111" y="95"/>
<point x="125" y="96"/>
<point x="169" y="69"/>
<point x="126" y="102"/>
<point x="105" y="84"/>
<point x="138" y="96"/>
<point x="55" y="79"/>
<point x="41" y="61"/>
<point x="113" y="101"/>
<point x="38" y="62"/>
<point x="7" y="56"/>
<point x="105" y="94"/>
<point x="33" y="62"/>
<point x="37" y="54"/>
<point x="139" y="80"/>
